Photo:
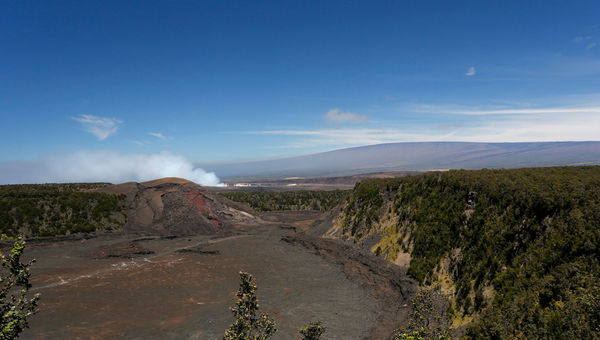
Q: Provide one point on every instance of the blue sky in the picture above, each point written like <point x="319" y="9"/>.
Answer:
<point x="220" y="81"/>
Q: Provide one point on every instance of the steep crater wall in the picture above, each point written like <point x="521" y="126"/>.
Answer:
<point x="515" y="250"/>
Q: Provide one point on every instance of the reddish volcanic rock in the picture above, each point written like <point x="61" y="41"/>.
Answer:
<point x="198" y="202"/>
<point x="174" y="206"/>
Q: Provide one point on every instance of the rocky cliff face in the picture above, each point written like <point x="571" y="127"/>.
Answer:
<point x="175" y="206"/>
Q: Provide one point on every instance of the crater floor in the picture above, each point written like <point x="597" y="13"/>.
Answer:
<point x="124" y="286"/>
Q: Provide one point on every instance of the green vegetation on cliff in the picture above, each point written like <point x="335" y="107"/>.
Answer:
<point x="519" y="248"/>
<point x="289" y="200"/>
<point x="58" y="209"/>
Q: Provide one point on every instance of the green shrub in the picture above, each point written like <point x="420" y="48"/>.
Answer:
<point x="15" y="304"/>
<point x="248" y="324"/>
<point x="313" y="331"/>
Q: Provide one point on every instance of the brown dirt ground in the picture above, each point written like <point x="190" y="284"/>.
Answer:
<point x="133" y="287"/>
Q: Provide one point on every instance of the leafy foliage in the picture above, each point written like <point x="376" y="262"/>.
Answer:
<point x="409" y="336"/>
<point x="428" y="318"/>
<point x="313" y="331"/>
<point x="15" y="306"/>
<point x="523" y="245"/>
<point x="248" y="325"/>
<point x="363" y="208"/>
<point x="289" y="200"/>
<point x="56" y="209"/>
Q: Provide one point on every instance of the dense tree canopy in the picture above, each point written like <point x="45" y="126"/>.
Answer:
<point x="58" y="209"/>
<point x="523" y="246"/>
<point x="289" y="200"/>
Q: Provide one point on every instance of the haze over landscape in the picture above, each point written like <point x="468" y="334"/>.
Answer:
<point x="236" y="170"/>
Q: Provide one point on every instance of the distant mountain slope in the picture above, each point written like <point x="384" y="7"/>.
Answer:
<point x="419" y="156"/>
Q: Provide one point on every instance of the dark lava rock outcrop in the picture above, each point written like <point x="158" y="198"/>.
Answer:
<point x="175" y="206"/>
<point x="120" y="250"/>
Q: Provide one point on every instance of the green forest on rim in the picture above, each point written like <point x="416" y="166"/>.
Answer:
<point x="58" y="209"/>
<point x="289" y="200"/>
<point x="517" y="250"/>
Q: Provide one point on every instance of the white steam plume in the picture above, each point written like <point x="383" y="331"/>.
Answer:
<point x="104" y="166"/>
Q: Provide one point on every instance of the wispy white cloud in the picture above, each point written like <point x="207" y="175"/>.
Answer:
<point x="158" y="135"/>
<point x="138" y="142"/>
<point x="340" y="137"/>
<point x="333" y="138"/>
<point x="538" y="128"/>
<point x="557" y="65"/>
<point x="573" y="67"/>
<point x="579" y="39"/>
<point x="101" y="127"/>
<point x="104" y="166"/>
<point x="471" y="71"/>
<point x="495" y="125"/>
<point x="338" y="116"/>
<point x="512" y="111"/>
<point x="591" y="45"/>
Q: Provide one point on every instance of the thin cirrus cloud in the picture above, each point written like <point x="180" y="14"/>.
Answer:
<point x="101" y="127"/>
<point x="138" y="142"/>
<point x="471" y="71"/>
<point x="582" y="39"/>
<point x="579" y="39"/>
<point x="594" y="110"/>
<point x="527" y="124"/>
<point x="496" y="125"/>
<point x="158" y="135"/>
<point x="319" y="138"/>
<point x="338" y="116"/>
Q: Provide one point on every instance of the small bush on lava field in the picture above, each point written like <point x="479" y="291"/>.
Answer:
<point x="248" y="325"/>
<point x="15" y="306"/>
